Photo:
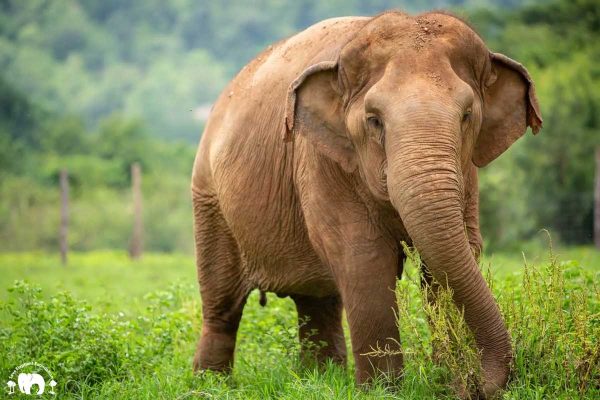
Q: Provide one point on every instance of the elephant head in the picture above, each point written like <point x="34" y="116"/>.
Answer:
<point x="410" y="104"/>
<point x="26" y="381"/>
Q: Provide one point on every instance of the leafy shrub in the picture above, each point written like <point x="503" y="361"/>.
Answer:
<point x="84" y="348"/>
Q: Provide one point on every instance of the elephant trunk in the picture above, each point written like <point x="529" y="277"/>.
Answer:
<point x="426" y="187"/>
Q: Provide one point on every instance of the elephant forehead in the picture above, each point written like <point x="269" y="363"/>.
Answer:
<point x="416" y="38"/>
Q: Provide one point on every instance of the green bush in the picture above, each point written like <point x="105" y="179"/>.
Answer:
<point x="85" y="349"/>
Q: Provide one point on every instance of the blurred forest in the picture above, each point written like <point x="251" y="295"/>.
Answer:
<point x="94" y="85"/>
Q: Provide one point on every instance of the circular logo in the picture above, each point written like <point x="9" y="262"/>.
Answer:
<point x="31" y="378"/>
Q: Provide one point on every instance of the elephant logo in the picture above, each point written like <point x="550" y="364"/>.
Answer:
<point x="26" y="381"/>
<point x="31" y="380"/>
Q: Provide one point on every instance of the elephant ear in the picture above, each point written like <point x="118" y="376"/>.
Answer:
<point x="510" y="106"/>
<point x="314" y="109"/>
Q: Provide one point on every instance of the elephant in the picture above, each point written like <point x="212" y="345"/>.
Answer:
<point x="328" y="151"/>
<point x="26" y="381"/>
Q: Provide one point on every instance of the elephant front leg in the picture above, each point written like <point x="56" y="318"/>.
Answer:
<point x="367" y="283"/>
<point x="222" y="288"/>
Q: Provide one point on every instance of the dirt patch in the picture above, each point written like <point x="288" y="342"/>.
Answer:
<point x="426" y="31"/>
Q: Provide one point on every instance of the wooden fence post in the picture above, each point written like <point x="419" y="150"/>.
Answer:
<point x="135" y="249"/>
<point x="597" y="202"/>
<point x="64" y="215"/>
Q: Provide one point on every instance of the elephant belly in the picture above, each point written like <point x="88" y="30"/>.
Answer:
<point x="263" y="214"/>
<point x="300" y="274"/>
<point x="280" y="258"/>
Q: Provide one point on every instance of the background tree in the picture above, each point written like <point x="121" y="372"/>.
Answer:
<point x="93" y="86"/>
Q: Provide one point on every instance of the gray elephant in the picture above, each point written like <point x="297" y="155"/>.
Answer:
<point x="330" y="149"/>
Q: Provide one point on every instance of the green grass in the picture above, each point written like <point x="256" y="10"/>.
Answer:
<point x="108" y="327"/>
<point x="108" y="280"/>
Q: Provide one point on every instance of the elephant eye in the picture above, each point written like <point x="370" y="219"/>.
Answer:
<point x="374" y="122"/>
<point x="467" y="115"/>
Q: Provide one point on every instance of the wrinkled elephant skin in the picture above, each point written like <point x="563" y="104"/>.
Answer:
<point x="330" y="149"/>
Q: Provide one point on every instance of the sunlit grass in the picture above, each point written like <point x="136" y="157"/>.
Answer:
<point x="109" y="280"/>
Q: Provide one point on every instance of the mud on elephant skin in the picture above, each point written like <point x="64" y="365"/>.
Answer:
<point x="330" y="149"/>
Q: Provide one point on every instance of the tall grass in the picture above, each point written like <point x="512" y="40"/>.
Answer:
<point x="437" y="341"/>
<point x="552" y="311"/>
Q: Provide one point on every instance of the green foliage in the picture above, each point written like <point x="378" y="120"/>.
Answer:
<point x="556" y="336"/>
<point x="19" y="118"/>
<point x="547" y="181"/>
<point x="64" y="136"/>
<point x="33" y="153"/>
<point x="107" y="327"/>
<point x="122" y="140"/>
<point x="49" y="331"/>
<point x="450" y="346"/>
<point x="552" y="311"/>
<point x="560" y="166"/>
<point x="27" y="216"/>
<point x="94" y="86"/>
<point x="83" y="348"/>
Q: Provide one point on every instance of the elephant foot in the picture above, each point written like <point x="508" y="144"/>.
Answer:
<point x="388" y="368"/>
<point x="215" y="352"/>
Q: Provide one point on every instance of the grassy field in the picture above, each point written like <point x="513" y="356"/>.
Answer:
<point x="108" y="327"/>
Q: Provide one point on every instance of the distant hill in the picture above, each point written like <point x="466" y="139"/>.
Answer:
<point x="158" y="60"/>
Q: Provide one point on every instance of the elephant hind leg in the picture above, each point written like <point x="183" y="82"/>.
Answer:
<point x="222" y="289"/>
<point x="320" y="329"/>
